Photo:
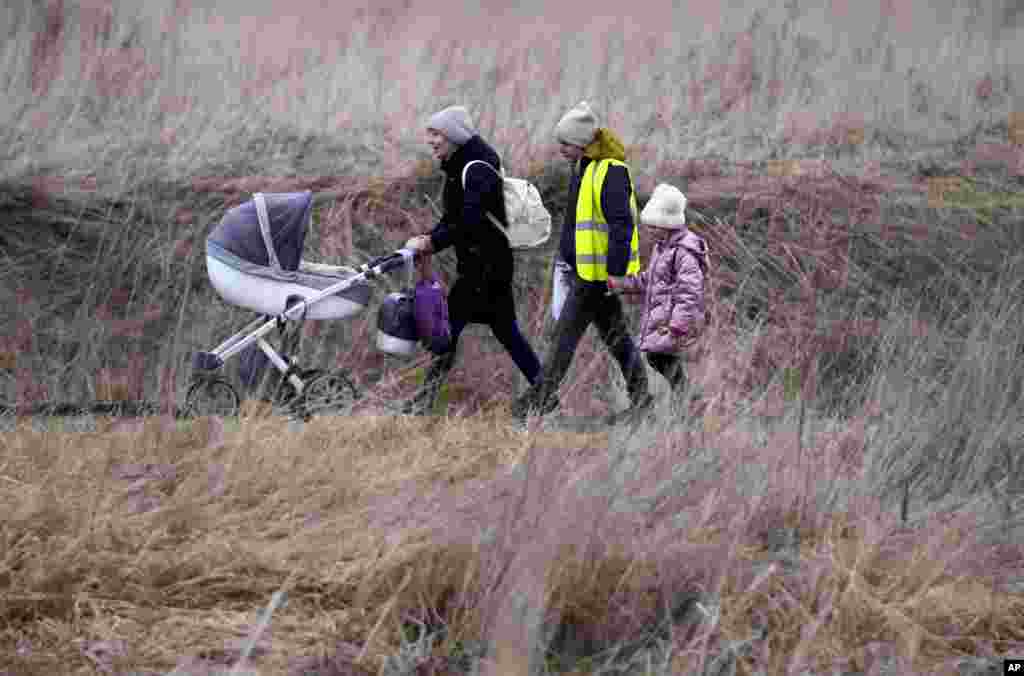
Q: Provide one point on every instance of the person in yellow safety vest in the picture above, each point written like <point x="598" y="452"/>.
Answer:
<point x="599" y="240"/>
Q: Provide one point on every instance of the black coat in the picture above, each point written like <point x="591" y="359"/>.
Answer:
<point x="484" y="258"/>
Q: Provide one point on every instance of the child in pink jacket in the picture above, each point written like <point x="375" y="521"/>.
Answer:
<point x="673" y="287"/>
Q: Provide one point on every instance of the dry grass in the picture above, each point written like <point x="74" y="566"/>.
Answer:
<point x="116" y="86"/>
<point x="161" y="544"/>
<point x="166" y="538"/>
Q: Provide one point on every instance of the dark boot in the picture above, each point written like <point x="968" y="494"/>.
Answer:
<point x="539" y="399"/>
<point x="640" y="398"/>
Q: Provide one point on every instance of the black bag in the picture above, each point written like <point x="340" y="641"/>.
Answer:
<point x="396" y="325"/>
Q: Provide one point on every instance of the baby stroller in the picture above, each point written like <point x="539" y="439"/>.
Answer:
<point x="253" y="260"/>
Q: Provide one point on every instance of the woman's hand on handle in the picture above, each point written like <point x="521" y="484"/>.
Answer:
<point x="420" y="244"/>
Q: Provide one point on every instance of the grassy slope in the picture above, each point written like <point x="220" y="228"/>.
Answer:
<point x="112" y="176"/>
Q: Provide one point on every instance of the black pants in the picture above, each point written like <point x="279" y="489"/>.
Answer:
<point x="670" y="366"/>
<point x="495" y="307"/>
<point x="673" y="368"/>
<point x="589" y="303"/>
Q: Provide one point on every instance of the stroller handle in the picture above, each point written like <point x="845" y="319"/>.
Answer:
<point x="388" y="262"/>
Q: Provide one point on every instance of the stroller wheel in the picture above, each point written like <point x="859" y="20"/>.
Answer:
<point x="328" y="392"/>
<point x="211" y="397"/>
<point x="285" y="397"/>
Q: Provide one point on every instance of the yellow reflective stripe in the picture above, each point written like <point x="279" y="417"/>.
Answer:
<point x="592" y="225"/>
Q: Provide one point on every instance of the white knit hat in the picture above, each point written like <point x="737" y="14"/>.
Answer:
<point x="666" y="208"/>
<point x="454" y="123"/>
<point x="578" y="126"/>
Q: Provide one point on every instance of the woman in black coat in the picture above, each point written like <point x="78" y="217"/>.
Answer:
<point x="482" y="293"/>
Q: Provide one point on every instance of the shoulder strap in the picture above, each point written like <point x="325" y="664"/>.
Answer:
<point x="490" y="216"/>
<point x="593" y="180"/>
<point x="701" y="258"/>
<point x="261" y="214"/>
<point x="466" y="168"/>
<point x="608" y="161"/>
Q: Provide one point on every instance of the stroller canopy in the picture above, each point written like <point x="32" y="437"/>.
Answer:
<point x="288" y="216"/>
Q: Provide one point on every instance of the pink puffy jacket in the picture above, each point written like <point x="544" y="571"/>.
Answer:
<point x="673" y="287"/>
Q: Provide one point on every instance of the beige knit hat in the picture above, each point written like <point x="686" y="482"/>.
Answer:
<point x="666" y="208"/>
<point x="578" y="126"/>
<point x="454" y="122"/>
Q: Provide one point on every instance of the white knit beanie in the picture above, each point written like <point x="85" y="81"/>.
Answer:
<point x="666" y="208"/>
<point x="578" y="126"/>
<point x="454" y="123"/>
